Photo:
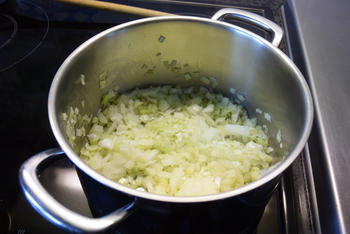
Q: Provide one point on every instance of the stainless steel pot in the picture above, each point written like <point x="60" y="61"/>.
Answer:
<point x="161" y="50"/>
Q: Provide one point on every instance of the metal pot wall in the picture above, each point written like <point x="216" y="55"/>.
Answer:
<point x="161" y="50"/>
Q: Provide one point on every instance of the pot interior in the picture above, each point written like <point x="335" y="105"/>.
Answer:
<point x="181" y="51"/>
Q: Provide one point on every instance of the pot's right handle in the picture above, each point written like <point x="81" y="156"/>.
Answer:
<point x="52" y="210"/>
<point x="254" y="19"/>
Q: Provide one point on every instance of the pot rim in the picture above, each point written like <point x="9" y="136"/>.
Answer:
<point x="276" y="171"/>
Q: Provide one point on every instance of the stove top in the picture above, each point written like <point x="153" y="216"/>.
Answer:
<point x="17" y="40"/>
<point x="35" y="38"/>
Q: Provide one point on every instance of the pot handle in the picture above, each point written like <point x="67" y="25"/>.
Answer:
<point x="277" y="32"/>
<point x="52" y="210"/>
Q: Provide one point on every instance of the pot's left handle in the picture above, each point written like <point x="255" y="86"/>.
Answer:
<point x="52" y="210"/>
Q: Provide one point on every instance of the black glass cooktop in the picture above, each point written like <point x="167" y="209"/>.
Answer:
<point x="35" y="38"/>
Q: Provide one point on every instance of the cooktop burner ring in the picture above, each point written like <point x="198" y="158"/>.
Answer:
<point x="19" y="39"/>
<point x="11" y="22"/>
<point x="5" y="218"/>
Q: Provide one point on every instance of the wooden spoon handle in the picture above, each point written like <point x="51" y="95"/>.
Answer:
<point x="115" y="7"/>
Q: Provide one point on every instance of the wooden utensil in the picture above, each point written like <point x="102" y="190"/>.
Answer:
<point x="115" y="7"/>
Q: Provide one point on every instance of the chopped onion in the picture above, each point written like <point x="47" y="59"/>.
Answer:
<point x="82" y="79"/>
<point x="267" y="116"/>
<point x="240" y="97"/>
<point x="106" y="143"/>
<point x="279" y="136"/>
<point x="173" y="141"/>
<point x="232" y="129"/>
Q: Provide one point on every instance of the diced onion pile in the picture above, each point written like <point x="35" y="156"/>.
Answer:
<point x="176" y="141"/>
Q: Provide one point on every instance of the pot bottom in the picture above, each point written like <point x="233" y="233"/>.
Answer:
<point x="239" y="214"/>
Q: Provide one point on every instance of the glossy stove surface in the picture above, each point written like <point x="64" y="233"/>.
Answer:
<point x="62" y="182"/>
<point x="36" y="37"/>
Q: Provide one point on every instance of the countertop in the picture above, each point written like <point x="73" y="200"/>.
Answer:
<point x="324" y="31"/>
